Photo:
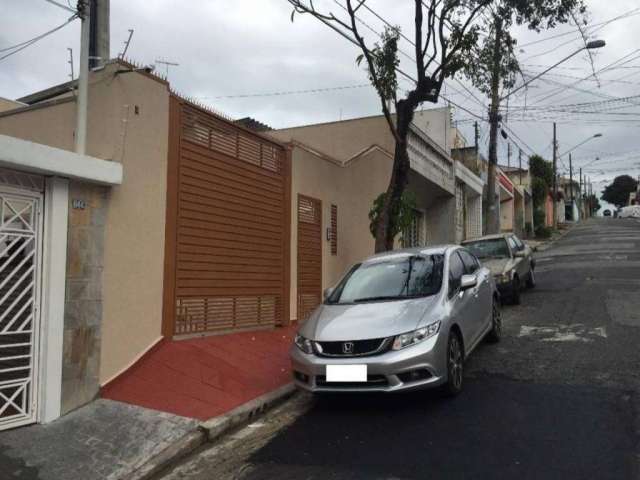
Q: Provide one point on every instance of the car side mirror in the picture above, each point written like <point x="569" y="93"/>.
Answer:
<point x="468" y="281"/>
<point x="327" y="293"/>
<point x="520" y="254"/>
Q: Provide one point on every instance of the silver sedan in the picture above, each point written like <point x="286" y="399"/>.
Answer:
<point x="401" y="320"/>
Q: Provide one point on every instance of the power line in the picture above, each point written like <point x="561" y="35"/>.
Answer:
<point x="287" y="92"/>
<point x="21" y="46"/>
<point x="630" y="13"/>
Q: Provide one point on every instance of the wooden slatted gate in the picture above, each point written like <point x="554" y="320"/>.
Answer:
<point x="309" y="255"/>
<point x="228" y="226"/>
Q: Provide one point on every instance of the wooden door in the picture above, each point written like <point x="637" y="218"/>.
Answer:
<point x="309" y="255"/>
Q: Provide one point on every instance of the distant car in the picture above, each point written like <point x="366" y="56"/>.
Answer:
<point x="510" y="260"/>
<point x="398" y="321"/>
<point x="606" y="213"/>
<point x="631" y="211"/>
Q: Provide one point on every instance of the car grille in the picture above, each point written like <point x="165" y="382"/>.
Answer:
<point x="355" y="348"/>
<point x="373" y="381"/>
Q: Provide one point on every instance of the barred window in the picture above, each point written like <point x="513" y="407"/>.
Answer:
<point x="414" y="235"/>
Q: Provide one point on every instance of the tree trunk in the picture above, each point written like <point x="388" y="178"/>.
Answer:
<point x="492" y="219"/>
<point x="385" y="238"/>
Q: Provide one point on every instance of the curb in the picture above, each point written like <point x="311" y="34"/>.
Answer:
<point x="178" y="450"/>
<point x="548" y="243"/>
<point x="210" y="431"/>
<point x="218" y="426"/>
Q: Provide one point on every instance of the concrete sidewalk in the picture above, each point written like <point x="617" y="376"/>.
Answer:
<point x="155" y="411"/>
<point x="105" y="440"/>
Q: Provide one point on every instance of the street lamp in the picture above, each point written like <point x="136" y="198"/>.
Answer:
<point x="597" y="135"/>
<point x="593" y="44"/>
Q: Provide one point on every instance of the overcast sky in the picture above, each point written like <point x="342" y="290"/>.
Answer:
<point x="245" y="47"/>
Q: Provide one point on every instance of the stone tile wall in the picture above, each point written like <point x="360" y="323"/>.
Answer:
<point x="83" y="305"/>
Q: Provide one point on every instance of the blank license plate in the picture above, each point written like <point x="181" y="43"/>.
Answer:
<point x="346" y="373"/>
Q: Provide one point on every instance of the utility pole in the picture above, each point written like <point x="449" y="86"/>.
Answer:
<point x="99" y="42"/>
<point x="570" y="178"/>
<point x="476" y="135"/>
<point x="492" y="225"/>
<point x="520" y="166"/>
<point x="509" y="154"/>
<point x="84" y="10"/>
<point x="580" y="197"/>
<point x="555" y="178"/>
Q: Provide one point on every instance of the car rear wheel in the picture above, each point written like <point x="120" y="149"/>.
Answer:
<point x="531" y="280"/>
<point x="515" y="290"/>
<point x="495" y="334"/>
<point x="455" y="365"/>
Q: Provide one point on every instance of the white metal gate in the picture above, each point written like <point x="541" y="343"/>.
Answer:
<point x="20" y="250"/>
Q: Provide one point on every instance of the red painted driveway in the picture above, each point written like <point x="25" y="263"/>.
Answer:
<point x="206" y="377"/>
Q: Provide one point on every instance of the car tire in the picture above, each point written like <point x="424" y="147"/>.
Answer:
<point x="531" y="279"/>
<point x="515" y="291"/>
<point x="455" y="365"/>
<point x="495" y="334"/>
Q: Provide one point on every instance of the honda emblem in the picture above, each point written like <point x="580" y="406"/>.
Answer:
<point x="347" y="347"/>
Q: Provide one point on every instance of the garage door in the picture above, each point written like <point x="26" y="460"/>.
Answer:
<point x="231" y="216"/>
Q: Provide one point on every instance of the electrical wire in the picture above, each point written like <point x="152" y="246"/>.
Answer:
<point x="288" y="92"/>
<point x="21" y="46"/>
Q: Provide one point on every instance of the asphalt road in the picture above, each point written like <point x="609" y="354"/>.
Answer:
<point x="558" y="398"/>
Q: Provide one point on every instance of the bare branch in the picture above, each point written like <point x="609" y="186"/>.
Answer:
<point x="372" y="71"/>
<point x="476" y="11"/>
<point x="583" y="34"/>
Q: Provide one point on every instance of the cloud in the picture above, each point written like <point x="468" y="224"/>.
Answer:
<point x="250" y="46"/>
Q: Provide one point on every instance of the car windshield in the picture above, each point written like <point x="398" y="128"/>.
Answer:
<point x="390" y="279"/>
<point x="493" y="248"/>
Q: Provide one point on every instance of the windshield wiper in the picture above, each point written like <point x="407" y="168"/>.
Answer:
<point x="387" y="297"/>
<point x="381" y="297"/>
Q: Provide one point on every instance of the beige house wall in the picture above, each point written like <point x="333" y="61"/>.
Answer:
<point x="135" y="222"/>
<point x="352" y="188"/>
<point x="342" y="140"/>
<point x="6" y="104"/>
<point x="348" y="164"/>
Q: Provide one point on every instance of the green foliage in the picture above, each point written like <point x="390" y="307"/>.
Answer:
<point x="541" y="168"/>
<point x="539" y="218"/>
<point x="541" y="180"/>
<point x="618" y="191"/>
<point x="539" y="191"/>
<point x="385" y="61"/>
<point x="544" y="232"/>
<point x="401" y="216"/>
<point x="535" y="15"/>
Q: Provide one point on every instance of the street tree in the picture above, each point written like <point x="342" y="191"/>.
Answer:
<point x="446" y="32"/>
<point x="541" y="172"/>
<point x="494" y="68"/>
<point x="618" y="191"/>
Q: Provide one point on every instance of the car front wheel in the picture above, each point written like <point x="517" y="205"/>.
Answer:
<point x="495" y="334"/>
<point x="515" y="290"/>
<point x="455" y="365"/>
<point x="531" y="281"/>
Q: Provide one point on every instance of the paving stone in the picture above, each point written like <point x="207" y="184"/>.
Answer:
<point x="101" y="441"/>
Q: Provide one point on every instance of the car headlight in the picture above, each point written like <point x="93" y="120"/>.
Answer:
<point x="303" y="344"/>
<point x="503" y="278"/>
<point x="417" y="336"/>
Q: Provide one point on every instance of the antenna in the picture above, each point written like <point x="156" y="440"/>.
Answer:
<point x="70" y="62"/>
<point x="167" y="64"/>
<point x="126" y="44"/>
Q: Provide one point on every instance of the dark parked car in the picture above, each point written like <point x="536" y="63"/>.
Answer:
<point x="607" y="213"/>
